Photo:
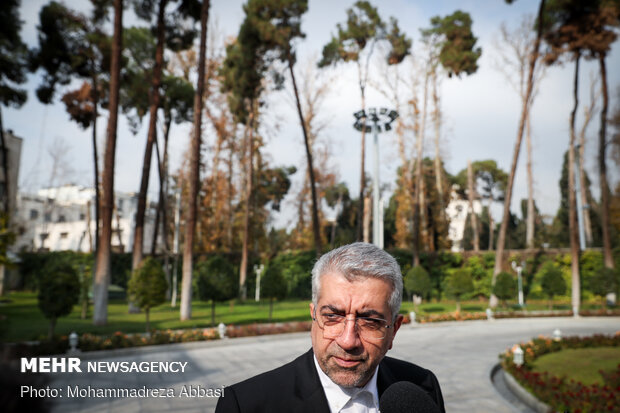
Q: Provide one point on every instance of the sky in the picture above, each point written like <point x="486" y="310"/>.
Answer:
<point x="481" y="111"/>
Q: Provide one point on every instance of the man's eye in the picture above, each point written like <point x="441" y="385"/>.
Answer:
<point x="371" y="323"/>
<point x="332" y="317"/>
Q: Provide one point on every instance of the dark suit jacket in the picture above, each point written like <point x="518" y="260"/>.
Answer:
<point x="296" y="387"/>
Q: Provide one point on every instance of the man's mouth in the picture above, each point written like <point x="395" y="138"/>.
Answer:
<point x="347" y="362"/>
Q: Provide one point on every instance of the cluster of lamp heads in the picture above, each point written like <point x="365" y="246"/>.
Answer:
<point x="382" y="118"/>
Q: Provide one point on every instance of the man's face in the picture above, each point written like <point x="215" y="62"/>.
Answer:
<point x="348" y="359"/>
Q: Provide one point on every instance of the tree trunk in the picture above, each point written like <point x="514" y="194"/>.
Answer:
<point x="572" y="207"/>
<point x="470" y="195"/>
<point x="418" y="178"/>
<point x="213" y="313"/>
<point x="229" y="199"/>
<point x="587" y="224"/>
<point x="147" y="312"/>
<point x="102" y="264"/>
<point x="51" y="328"/>
<point x="491" y="228"/>
<point x="248" y="201"/>
<point x="438" y="169"/>
<point x="602" y="167"/>
<point x="361" y="213"/>
<point x="5" y="197"/>
<point x="316" y="226"/>
<point x="501" y="238"/>
<point x="194" y="173"/>
<point x="96" y="160"/>
<point x="164" y="215"/>
<point x="138" y="241"/>
<point x="529" y="232"/>
<point x="424" y="216"/>
<point x="367" y="217"/>
<point x="160" y="202"/>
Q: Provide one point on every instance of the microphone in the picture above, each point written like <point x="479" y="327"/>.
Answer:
<point x="404" y="396"/>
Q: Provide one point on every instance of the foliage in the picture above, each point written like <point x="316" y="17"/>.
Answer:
<point x="459" y="283"/>
<point x="59" y="291"/>
<point x="559" y="230"/>
<point x="273" y="284"/>
<point x="417" y="281"/>
<point x="216" y="279"/>
<point x="295" y="268"/>
<point x="364" y="26"/>
<point x="31" y="262"/>
<point x="505" y="286"/>
<point x="457" y="46"/>
<point x="604" y="281"/>
<point x="552" y="281"/>
<point x="147" y="286"/>
<point x="558" y="392"/>
<point x="13" y="55"/>
<point x="70" y="45"/>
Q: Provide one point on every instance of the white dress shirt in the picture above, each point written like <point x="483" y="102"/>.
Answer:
<point x="350" y="399"/>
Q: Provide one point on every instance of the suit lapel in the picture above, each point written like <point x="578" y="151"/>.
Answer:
<point x="385" y="378"/>
<point x="308" y="388"/>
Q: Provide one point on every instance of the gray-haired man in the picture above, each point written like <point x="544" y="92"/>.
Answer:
<point x="356" y="296"/>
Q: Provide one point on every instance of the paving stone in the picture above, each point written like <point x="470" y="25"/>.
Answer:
<point x="461" y="354"/>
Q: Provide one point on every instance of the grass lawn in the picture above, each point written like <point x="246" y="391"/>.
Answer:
<point x="21" y="319"/>
<point x="580" y="364"/>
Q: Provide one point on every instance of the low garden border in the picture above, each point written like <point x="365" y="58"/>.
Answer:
<point x="560" y="393"/>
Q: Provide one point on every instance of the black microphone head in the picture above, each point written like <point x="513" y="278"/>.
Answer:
<point x="404" y="396"/>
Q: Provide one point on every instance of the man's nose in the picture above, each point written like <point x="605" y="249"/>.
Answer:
<point x="349" y="339"/>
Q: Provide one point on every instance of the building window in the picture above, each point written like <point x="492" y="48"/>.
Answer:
<point x="48" y="217"/>
<point x="64" y="235"/>
<point x="34" y="214"/>
<point x="82" y="216"/>
<point x="61" y="218"/>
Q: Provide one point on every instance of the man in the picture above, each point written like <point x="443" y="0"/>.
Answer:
<point x="356" y="297"/>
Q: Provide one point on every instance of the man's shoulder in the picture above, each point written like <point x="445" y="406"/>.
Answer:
<point x="404" y="370"/>
<point x="393" y="370"/>
<point x="284" y="374"/>
<point x="292" y="387"/>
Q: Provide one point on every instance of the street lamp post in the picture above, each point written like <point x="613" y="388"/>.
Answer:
<point x="374" y="121"/>
<point x="519" y="269"/>
<point x="258" y="269"/>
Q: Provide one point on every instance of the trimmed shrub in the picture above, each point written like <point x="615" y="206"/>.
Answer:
<point x="147" y="286"/>
<point x="505" y="286"/>
<point x="59" y="291"/>
<point x="552" y="281"/>
<point x="216" y="280"/>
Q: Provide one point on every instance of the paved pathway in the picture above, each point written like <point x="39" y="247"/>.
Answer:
<point x="461" y="355"/>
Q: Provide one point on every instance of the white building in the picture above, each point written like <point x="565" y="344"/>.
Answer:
<point x="63" y="218"/>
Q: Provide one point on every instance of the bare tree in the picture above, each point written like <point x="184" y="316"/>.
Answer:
<point x="501" y="239"/>
<point x="514" y="49"/>
<point x="588" y="114"/>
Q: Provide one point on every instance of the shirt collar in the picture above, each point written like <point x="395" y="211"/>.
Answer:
<point x="337" y="396"/>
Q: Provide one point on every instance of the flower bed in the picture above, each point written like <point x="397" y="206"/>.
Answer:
<point x="270" y="328"/>
<point x="436" y="318"/>
<point x="560" y="393"/>
<point x="464" y="316"/>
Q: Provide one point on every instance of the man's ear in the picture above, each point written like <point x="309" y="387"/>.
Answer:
<point x="397" y="324"/>
<point x="312" y="311"/>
